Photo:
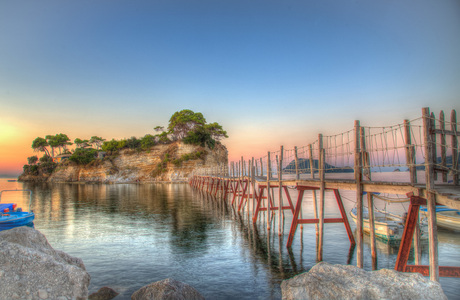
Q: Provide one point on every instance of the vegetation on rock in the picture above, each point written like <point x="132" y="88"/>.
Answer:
<point x="185" y="125"/>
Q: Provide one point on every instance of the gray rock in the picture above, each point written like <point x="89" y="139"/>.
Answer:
<point x="167" y="289"/>
<point x="326" y="281"/>
<point x="104" y="293"/>
<point x="32" y="269"/>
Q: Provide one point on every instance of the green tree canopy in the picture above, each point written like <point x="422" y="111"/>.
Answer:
<point x="147" y="142"/>
<point x="52" y="142"/>
<point x="113" y="145"/>
<point x="200" y="136"/>
<point x="32" y="160"/>
<point x="133" y="143"/>
<point x="60" y="141"/>
<point x="96" y="141"/>
<point x="83" y="156"/>
<point x="163" y="138"/>
<point x="216" y="131"/>
<point x="81" y="143"/>
<point x="183" y="121"/>
<point x="40" y="144"/>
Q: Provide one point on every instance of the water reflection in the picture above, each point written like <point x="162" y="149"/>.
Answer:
<point x="130" y="235"/>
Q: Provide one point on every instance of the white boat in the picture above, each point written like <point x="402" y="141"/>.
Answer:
<point x="446" y="217"/>
<point x="388" y="227"/>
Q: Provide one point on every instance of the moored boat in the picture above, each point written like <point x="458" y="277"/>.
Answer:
<point x="11" y="217"/>
<point x="16" y="219"/>
<point x="388" y="227"/>
<point x="446" y="217"/>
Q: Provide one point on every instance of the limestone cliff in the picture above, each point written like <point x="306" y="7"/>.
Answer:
<point x="171" y="162"/>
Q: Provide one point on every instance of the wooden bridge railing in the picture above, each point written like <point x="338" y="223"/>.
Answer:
<point x="360" y="155"/>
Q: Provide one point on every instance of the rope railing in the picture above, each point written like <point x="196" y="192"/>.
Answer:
<point x="399" y="147"/>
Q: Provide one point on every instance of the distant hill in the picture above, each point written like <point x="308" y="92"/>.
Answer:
<point x="448" y="162"/>
<point x="304" y="167"/>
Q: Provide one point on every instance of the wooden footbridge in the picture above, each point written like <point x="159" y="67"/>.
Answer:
<point x="425" y="148"/>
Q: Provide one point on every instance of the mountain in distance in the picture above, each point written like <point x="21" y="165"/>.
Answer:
<point x="304" y="167"/>
<point x="448" y="163"/>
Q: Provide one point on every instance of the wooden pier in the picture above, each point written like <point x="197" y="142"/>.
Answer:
<point x="354" y="160"/>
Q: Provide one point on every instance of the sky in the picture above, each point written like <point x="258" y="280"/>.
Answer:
<point x="271" y="73"/>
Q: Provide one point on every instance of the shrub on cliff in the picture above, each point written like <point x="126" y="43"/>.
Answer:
<point x="200" y="136"/>
<point x="190" y="156"/>
<point x="147" y="142"/>
<point x="83" y="156"/>
<point x="31" y="169"/>
<point x="133" y="143"/>
<point x="113" y="146"/>
<point x="32" y="160"/>
<point x="45" y="165"/>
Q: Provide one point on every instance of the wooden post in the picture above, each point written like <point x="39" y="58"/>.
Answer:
<point x="250" y="176"/>
<point x="240" y="180"/>
<point x="297" y="175"/>
<point x="434" y="159"/>
<point x="261" y="168"/>
<point x="359" y="198"/>
<point x="321" y="166"/>
<point x="280" y="189"/>
<point x="442" y="127"/>
<point x="453" y="125"/>
<point x="431" y="200"/>
<point x="310" y="153"/>
<point x="410" y="152"/>
<point x="254" y="170"/>
<point x="312" y="175"/>
<point x="268" y="192"/>
<point x="370" y="198"/>
<point x="410" y="161"/>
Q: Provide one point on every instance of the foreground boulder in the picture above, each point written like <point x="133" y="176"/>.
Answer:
<point x="168" y="289"/>
<point x="32" y="269"/>
<point x="326" y="281"/>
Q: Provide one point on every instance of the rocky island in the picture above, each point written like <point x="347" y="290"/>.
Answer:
<point x="188" y="144"/>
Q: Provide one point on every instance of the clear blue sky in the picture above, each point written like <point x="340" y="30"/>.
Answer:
<point x="270" y="72"/>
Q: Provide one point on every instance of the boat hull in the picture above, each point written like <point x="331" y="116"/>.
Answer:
<point x="16" y="219"/>
<point x="388" y="231"/>
<point x="446" y="218"/>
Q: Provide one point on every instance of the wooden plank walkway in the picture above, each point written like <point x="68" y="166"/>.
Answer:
<point x="448" y="195"/>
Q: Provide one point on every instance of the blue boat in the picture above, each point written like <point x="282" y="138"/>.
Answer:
<point x="11" y="217"/>
<point x="16" y="219"/>
<point x="7" y="207"/>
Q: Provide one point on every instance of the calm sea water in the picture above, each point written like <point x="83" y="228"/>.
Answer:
<point x="130" y="235"/>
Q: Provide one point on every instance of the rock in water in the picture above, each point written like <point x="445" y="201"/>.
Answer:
<point x="167" y="289"/>
<point x="32" y="269"/>
<point x="104" y="293"/>
<point x="326" y="281"/>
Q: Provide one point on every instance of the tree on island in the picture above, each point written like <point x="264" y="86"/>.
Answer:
<point x="184" y="121"/>
<point x="191" y="127"/>
<point x="40" y="144"/>
<point x="96" y="141"/>
<point x="81" y="143"/>
<point x="60" y="141"/>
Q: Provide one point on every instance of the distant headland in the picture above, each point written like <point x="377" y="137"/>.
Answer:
<point x="188" y="142"/>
